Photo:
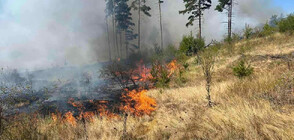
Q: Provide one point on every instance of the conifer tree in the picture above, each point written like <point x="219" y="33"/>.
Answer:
<point x="110" y="6"/>
<point x="124" y="22"/>
<point x="160" y="22"/>
<point x="141" y="6"/>
<point x="228" y="6"/>
<point x="108" y="13"/>
<point x="195" y="8"/>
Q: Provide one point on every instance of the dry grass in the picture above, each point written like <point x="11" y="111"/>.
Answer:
<point x="253" y="108"/>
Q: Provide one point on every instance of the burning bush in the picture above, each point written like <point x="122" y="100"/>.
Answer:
<point x="138" y="103"/>
<point x="161" y="74"/>
<point x="126" y="75"/>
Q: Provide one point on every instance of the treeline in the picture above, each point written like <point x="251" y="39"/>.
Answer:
<point x="124" y="38"/>
<point x="120" y="22"/>
<point x="120" y="18"/>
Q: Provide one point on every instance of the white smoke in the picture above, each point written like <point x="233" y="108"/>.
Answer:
<point x="40" y="34"/>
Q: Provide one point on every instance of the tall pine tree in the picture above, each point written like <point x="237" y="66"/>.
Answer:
<point x="141" y="6"/>
<point x="160" y="22"/>
<point x="228" y="6"/>
<point x="109" y="12"/>
<point x="195" y="8"/>
<point x="124" y="22"/>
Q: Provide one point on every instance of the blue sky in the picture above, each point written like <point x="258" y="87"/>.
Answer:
<point x="287" y="5"/>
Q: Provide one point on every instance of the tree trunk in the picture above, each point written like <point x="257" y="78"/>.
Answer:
<point x="117" y="46"/>
<point x="230" y="12"/>
<point x="1" y="121"/>
<point x="120" y="39"/>
<point x="139" y="26"/>
<point x="200" y="16"/>
<point x="160" y="20"/>
<point x="127" y="49"/>
<point x="114" y="34"/>
<point x="108" y="39"/>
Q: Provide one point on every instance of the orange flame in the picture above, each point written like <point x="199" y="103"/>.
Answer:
<point x="69" y="118"/>
<point x="89" y="116"/>
<point x="172" y="66"/>
<point x="138" y="103"/>
<point x="78" y="105"/>
<point x="142" y="73"/>
<point x="54" y="117"/>
<point x="103" y="111"/>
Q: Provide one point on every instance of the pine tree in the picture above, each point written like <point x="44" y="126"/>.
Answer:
<point x="110" y="6"/>
<point x="141" y="6"/>
<point x="108" y="12"/>
<point x="195" y="8"/>
<point x="227" y="5"/>
<point x="160" y="22"/>
<point x="124" y="22"/>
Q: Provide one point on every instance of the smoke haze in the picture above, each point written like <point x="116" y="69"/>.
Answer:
<point x="40" y="34"/>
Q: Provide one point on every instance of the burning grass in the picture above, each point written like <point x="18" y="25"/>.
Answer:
<point x="258" y="107"/>
<point x="138" y="103"/>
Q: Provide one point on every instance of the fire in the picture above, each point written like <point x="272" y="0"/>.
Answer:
<point x="54" y="117"/>
<point x="172" y="66"/>
<point x="100" y="109"/>
<point x="78" y="105"/>
<point x="89" y="116"/>
<point x="134" y="101"/>
<point x="138" y="103"/>
<point x="103" y="110"/>
<point x="141" y="73"/>
<point x="69" y="118"/>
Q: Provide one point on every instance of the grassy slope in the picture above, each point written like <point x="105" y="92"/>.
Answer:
<point x="259" y="107"/>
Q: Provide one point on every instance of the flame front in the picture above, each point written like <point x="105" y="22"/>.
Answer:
<point x="69" y="118"/>
<point x="138" y="103"/>
<point x="134" y="101"/>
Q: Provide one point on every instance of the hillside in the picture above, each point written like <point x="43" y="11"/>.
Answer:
<point x="257" y="107"/>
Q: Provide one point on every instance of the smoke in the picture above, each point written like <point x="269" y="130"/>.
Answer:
<point x="40" y="34"/>
<point x="252" y="12"/>
<point x="258" y="10"/>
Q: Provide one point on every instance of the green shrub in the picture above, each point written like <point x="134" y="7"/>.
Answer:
<point x="267" y="30"/>
<point x="287" y="24"/>
<point x="242" y="69"/>
<point x="191" y="45"/>
<point x="186" y="65"/>
<point x="160" y="75"/>
<point x="248" y="31"/>
<point x="163" y="55"/>
<point x="235" y="38"/>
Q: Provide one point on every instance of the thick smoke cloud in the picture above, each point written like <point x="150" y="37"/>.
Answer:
<point x="40" y="34"/>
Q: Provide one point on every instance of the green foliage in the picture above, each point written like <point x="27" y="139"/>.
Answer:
<point x="248" y="31"/>
<point x="192" y="8"/>
<point x="164" y="55"/>
<point x="267" y="30"/>
<point x="186" y="65"/>
<point x="160" y="75"/>
<point x="235" y="37"/>
<point x="222" y="5"/>
<point x="191" y="45"/>
<point x="242" y="69"/>
<point x="287" y="24"/>
<point x="143" y="7"/>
